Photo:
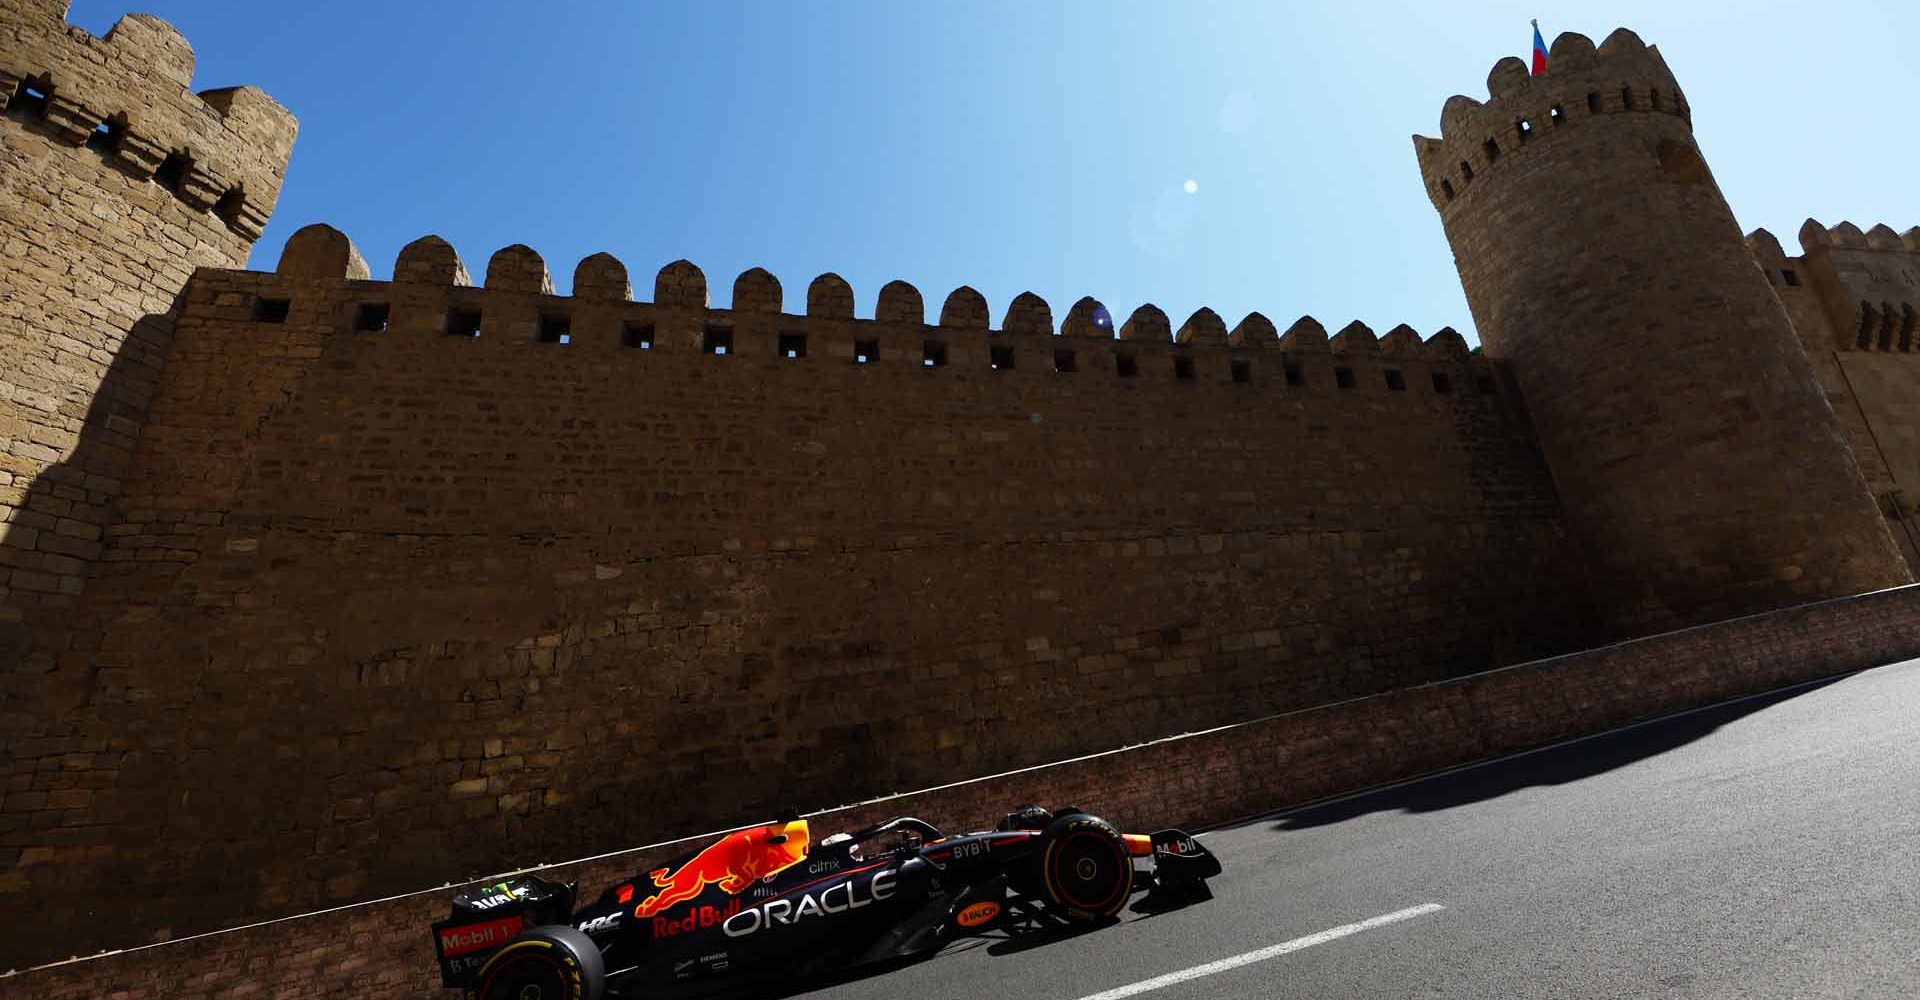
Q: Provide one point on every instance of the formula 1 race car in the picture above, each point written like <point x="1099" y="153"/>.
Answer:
<point x="765" y="901"/>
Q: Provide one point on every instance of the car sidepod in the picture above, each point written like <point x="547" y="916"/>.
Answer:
<point x="790" y="926"/>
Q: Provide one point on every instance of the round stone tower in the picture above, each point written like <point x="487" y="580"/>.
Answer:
<point x="1696" y="456"/>
<point x="116" y="181"/>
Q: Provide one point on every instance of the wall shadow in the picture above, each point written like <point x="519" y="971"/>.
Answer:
<point x="1558" y="764"/>
<point x="53" y="562"/>
<point x="54" y="613"/>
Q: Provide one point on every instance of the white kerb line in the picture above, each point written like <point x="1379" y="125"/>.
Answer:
<point x="1262" y="954"/>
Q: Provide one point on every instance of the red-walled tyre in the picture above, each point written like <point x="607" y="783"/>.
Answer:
<point x="546" y="963"/>
<point x="1086" y="874"/>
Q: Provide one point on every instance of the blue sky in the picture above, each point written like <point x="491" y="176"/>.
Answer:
<point x="1011" y="146"/>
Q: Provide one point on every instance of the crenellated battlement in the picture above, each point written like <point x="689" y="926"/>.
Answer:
<point x="321" y="280"/>
<point x="1815" y="238"/>
<point x="1582" y="85"/>
<point x="1868" y="282"/>
<point x="128" y="96"/>
<point x="1847" y="236"/>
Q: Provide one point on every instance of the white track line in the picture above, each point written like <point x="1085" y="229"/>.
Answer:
<point x="1262" y="954"/>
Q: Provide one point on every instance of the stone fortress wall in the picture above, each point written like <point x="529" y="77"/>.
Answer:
<point x="415" y="580"/>
<point x="386" y="583"/>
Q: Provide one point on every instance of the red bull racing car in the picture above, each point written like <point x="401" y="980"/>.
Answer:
<point x="767" y="901"/>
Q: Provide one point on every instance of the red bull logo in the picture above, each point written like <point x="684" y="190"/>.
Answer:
<point x="696" y="918"/>
<point x="733" y="862"/>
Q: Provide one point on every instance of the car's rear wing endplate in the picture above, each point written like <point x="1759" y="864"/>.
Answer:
<point x="462" y="945"/>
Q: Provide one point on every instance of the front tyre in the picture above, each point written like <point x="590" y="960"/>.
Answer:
<point x="1086" y="873"/>
<point x="546" y="963"/>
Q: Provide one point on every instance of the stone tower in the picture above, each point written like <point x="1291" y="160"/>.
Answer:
<point x="1696" y="457"/>
<point x="116" y="182"/>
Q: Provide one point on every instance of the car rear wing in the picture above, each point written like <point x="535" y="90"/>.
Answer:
<point x="488" y="917"/>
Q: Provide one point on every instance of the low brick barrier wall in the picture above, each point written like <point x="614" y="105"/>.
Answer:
<point x="383" y="949"/>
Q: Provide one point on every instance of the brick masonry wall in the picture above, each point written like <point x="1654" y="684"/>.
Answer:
<point x="399" y="606"/>
<point x="1690" y="439"/>
<point x="384" y="950"/>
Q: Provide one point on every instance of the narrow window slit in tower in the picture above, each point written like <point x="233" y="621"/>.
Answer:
<point x="1887" y="319"/>
<point x="1241" y="369"/>
<point x="866" y="352"/>
<point x="1343" y="377"/>
<point x="270" y="310"/>
<point x="1183" y="368"/>
<point x="371" y="317"/>
<point x="716" y="340"/>
<point x="1063" y="361"/>
<point x="556" y="328"/>
<point x="30" y="97"/>
<point x="1653" y="97"/>
<point x="1526" y="130"/>
<point x="637" y="335"/>
<point x="1558" y="116"/>
<point x="1126" y="365"/>
<point x="1000" y="357"/>
<point x="1493" y="150"/>
<point x="173" y="170"/>
<point x="1446" y="188"/>
<point x="1863" y="341"/>
<point x="1294" y="375"/>
<point x="1626" y="98"/>
<point x="107" y="135"/>
<point x="1396" y="381"/>
<point x="463" y="322"/>
<point x="933" y="354"/>
<point x="792" y="345"/>
<point x="1442" y="384"/>
<point x="1790" y="276"/>
<point x="227" y="209"/>
<point x="1906" y="329"/>
<point x="1466" y="170"/>
<point x="1593" y="102"/>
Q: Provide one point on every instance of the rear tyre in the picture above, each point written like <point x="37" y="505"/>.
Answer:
<point x="546" y="963"/>
<point x="1086" y="873"/>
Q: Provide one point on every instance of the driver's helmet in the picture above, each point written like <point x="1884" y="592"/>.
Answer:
<point x="1026" y="817"/>
<point x="839" y="840"/>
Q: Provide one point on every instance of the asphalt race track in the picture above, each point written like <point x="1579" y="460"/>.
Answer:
<point x="1769" y="848"/>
